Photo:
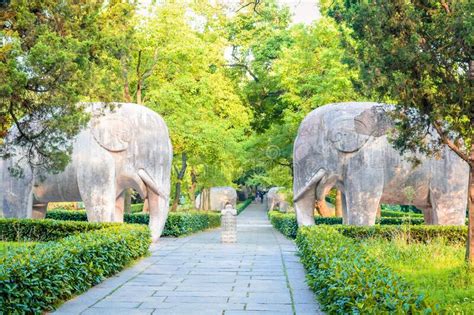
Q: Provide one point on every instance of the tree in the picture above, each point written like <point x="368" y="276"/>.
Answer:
<point x="420" y="55"/>
<point x="308" y="73"/>
<point x="188" y="85"/>
<point x="45" y="62"/>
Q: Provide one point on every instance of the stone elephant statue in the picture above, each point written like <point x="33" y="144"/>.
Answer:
<point x="219" y="198"/>
<point x="127" y="146"/>
<point x="276" y="199"/>
<point x="345" y="145"/>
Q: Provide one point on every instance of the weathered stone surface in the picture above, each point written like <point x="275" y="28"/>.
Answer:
<point x="220" y="196"/>
<point x="124" y="147"/>
<point x="345" y="145"/>
<point x="276" y="199"/>
<point x="229" y="225"/>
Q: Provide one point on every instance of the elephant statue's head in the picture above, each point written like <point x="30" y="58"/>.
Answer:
<point x="331" y="134"/>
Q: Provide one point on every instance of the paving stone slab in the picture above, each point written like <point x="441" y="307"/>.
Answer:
<point x="260" y="274"/>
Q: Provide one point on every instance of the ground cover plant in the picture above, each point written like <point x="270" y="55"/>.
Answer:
<point x="436" y="269"/>
<point x="348" y="280"/>
<point x="73" y="257"/>
<point x="177" y="224"/>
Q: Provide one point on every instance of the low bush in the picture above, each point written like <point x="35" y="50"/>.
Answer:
<point x="241" y="207"/>
<point x="19" y="230"/>
<point x="286" y="222"/>
<point x="34" y="280"/>
<point x="136" y="207"/>
<point x="348" y="281"/>
<point x="399" y="214"/>
<point x="177" y="224"/>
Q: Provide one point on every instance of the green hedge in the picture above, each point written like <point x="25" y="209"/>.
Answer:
<point x="286" y="222"/>
<point x="19" y="230"/>
<point x="36" y="278"/>
<point x="177" y="224"/>
<point x="347" y="281"/>
<point x="136" y="207"/>
<point x="399" y="214"/>
<point x="243" y="205"/>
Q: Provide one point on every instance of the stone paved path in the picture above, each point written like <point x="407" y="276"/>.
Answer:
<point x="260" y="274"/>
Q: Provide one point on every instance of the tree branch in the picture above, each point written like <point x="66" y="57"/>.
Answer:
<point x="450" y="143"/>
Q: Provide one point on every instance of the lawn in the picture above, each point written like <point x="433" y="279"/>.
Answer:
<point x="436" y="270"/>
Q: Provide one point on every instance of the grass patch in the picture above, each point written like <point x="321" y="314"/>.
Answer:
<point x="435" y="269"/>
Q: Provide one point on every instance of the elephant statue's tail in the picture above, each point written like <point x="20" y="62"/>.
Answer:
<point x="313" y="181"/>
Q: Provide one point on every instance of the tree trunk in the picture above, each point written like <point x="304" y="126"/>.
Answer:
<point x="205" y="199"/>
<point x="338" y="204"/>
<point x="192" y="189"/>
<point x="127" y="201"/>
<point x="322" y="208"/>
<point x="146" y="207"/>
<point x="379" y="212"/>
<point x="181" y="174"/>
<point x="470" y="204"/>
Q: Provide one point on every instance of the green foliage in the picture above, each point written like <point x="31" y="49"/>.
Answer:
<point x="418" y="54"/>
<point x="177" y="224"/>
<point x="9" y="246"/>
<point x="399" y="214"/>
<point x="306" y="73"/>
<point x="33" y="280"/>
<point x="411" y="234"/>
<point x="47" y="54"/>
<point x="241" y="207"/>
<point x="347" y="280"/>
<point x="286" y="223"/>
<point x="137" y="207"/>
<point x="436" y="269"/>
<point x="45" y="230"/>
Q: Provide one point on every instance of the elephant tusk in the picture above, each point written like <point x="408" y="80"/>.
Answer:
<point x="151" y="183"/>
<point x="314" y="180"/>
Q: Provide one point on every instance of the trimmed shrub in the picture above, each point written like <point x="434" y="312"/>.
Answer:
<point x="177" y="224"/>
<point x="35" y="279"/>
<point x="399" y="214"/>
<point x="44" y="230"/>
<point x="347" y="281"/>
<point x="413" y="230"/>
<point x="284" y="222"/>
<point x="136" y="207"/>
<point x="243" y="205"/>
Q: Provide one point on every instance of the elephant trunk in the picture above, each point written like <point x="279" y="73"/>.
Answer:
<point x="158" y="204"/>
<point x="159" y="207"/>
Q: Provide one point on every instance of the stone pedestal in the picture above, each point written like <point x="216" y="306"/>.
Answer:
<point x="229" y="225"/>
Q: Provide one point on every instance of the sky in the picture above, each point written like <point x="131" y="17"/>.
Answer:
<point x="304" y="11"/>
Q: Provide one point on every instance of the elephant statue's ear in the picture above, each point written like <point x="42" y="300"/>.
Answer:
<point x="345" y="138"/>
<point x="112" y="133"/>
<point x="352" y="133"/>
<point x="372" y="122"/>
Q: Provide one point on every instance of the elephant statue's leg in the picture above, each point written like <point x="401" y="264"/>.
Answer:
<point x="448" y="209"/>
<point x="428" y="215"/>
<point x="39" y="210"/>
<point x="363" y="187"/>
<point x="304" y="208"/>
<point x="96" y="180"/>
<point x="119" y="207"/>
<point x="159" y="208"/>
